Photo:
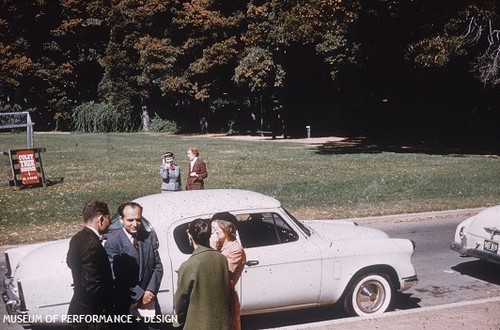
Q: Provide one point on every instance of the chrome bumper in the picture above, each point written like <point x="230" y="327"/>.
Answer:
<point x="480" y="254"/>
<point x="408" y="282"/>
<point x="12" y="302"/>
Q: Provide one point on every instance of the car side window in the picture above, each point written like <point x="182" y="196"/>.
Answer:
<point x="261" y="229"/>
<point x="181" y="239"/>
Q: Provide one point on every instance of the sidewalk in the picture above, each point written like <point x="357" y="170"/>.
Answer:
<point x="479" y="314"/>
<point x="422" y="216"/>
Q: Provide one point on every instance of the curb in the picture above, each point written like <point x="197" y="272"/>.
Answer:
<point x="408" y="217"/>
<point x="393" y="314"/>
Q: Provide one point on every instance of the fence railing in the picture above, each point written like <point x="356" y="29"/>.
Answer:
<point x="10" y="120"/>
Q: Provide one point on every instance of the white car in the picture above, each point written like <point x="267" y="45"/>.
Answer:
<point x="479" y="235"/>
<point x="291" y="264"/>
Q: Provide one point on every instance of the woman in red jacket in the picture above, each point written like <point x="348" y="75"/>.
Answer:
<point x="197" y="170"/>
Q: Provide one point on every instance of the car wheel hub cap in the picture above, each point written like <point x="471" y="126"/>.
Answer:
<point x="370" y="297"/>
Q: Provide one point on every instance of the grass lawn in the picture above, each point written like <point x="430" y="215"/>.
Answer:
<point x="324" y="181"/>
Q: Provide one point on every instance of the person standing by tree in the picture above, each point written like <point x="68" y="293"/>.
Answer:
<point x="91" y="271"/>
<point x="197" y="170"/>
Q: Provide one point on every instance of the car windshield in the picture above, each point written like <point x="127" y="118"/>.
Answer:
<point x="306" y="230"/>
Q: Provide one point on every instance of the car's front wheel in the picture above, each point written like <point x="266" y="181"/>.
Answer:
<point x="370" y="294"/>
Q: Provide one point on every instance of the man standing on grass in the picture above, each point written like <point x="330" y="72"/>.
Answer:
<point x="88" y="261"/>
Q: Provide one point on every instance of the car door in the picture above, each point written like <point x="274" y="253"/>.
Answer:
<point x="283" y="268"/>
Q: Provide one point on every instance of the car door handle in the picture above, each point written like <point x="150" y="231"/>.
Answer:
<point x="252" y="263"/>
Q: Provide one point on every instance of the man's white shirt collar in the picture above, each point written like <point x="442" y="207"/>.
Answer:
<point x="130" y="237"/>
<point x="95" y="231"/>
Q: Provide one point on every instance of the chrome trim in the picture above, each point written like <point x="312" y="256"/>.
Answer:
<point x="413" y="244"/>
<point x="492" y="231"/>
<point x="8" y="273"/>
<point x="22" y="304"/>
<point x="480" y="254"/>
<point x="12" y="302"/>
<point x="408" y="282"/>
<point x="54" y="305"/>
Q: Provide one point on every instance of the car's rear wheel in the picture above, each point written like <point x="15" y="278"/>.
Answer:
<point x="370" y="294"/>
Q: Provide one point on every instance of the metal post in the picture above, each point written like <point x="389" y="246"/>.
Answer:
<point x="29" y="132"/>
<point x="308" y="130"/>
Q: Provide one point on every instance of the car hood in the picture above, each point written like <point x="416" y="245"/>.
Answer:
<point x="47" y="258"/>
<point x="343" y="230"/>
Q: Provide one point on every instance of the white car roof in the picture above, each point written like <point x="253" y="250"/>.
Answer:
<point x="173" y="206"/>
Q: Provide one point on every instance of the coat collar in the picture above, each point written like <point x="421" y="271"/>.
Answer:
<point x="201" y="249"/>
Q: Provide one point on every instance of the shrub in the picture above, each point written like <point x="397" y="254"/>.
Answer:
<point x="93" y="117"/>
<point x="162" y="125"/>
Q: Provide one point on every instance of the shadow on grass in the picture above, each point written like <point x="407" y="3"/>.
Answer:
<point x="482" y="270"/>
<point x="357" y="145"/>
<point x="54" y="181"/>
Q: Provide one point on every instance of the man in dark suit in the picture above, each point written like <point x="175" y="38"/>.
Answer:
<point x="197" y="170"/>
<point x="136" y="264"/>
<point x="202" y="298"/>
<point x="88" y="261"/>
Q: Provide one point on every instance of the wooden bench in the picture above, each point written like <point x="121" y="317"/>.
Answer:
<point x="266" y="133"/>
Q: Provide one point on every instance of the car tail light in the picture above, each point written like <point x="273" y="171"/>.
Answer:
<point x="8" y="273"/>
<point x="22" y="306"/>
<point x="461" y="233"/>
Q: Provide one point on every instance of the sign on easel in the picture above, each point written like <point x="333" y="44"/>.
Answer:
<point x="27" y="168"/>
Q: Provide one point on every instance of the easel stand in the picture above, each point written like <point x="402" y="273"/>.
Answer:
<point x="27" y="168"/>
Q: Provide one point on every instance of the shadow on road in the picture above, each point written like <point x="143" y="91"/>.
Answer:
<point x="401" y="301"/>
<point x="405" y="301"/>
<point x="480" y="269"/>
<point x="290" y="318"/>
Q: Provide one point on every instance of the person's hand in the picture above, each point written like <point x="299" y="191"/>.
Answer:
<point x="147" y="297"/>
<point x="193" y="174"/>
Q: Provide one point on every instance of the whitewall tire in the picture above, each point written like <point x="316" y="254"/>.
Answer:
<point x="371" y="294"/>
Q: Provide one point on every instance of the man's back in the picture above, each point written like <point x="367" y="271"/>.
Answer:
<point x="202" y="297"/>
<point x="92" y="278"/>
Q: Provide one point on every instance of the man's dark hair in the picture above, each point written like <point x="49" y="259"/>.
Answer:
<point x="200" y="230"/>
<point x="93" y="209"/>
<point x="124" y="205"/>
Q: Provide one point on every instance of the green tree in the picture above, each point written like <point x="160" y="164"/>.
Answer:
<point x="286" y="35"/>
<point x="471" y="31"/>
<point x="46" y="46"/>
